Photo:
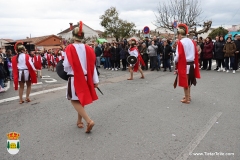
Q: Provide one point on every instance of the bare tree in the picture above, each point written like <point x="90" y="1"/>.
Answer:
<point x="183" y="11"/>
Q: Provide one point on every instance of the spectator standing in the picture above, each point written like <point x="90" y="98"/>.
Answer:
<point x="2" y="75"/>
<point x="123" y="56"/>
<point x="199" y="50"/>
<point x="159" y="52"/>
<point x="5" y="65"/>
<point x="217" y="40"/>
<point x="207" y="54"/>
<point x="144" y="55"/>
<point x="237" y="43"/>
<point x="219" y="54"/>
<point x="107" y="56"/>
<point x="229" y="50"/>
<point x="118" y="49"/>
<point x="146" y="41"/>
<point x="9" y="60"/>
<point x="98" y="53"/>
<point x="166" y="55"/>
<point x="201" y="44"/>
<point x="113" y="57"/>
<point x="152" y="51"/>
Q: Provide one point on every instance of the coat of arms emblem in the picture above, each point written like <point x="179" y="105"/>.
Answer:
<point x="13" y="143"/>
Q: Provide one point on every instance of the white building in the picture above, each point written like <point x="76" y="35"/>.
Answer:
<point x="2" y="43"/>
<point x="164" y="30"/>
<point x="88" y="32"/>
<point x="234" y="28"/>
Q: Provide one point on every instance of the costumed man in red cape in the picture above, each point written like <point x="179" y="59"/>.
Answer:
<point x="48" y="59"/>
<point x="79" y="63"/>
<point x="59" y="57"/>
<point x="186" y="60"/>
<point x="37" y="61"/>
<point x="23" y="71"/>
<point x="133" y="51"/>
<point x="52" y="61"/>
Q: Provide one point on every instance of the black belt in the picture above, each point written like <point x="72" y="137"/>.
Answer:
<point x="190" y="63"/>
<point x="22" y="69"/>
<point x="70" y="75"/>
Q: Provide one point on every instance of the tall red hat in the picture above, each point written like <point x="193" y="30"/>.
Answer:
<point x="182" y="29"/>
<point x="19" y="46"/>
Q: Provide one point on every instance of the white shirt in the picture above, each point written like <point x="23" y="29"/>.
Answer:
<point x="133" y="53"/>
<point x="45" y="55"/>
<point x="63" y="53"/>
<point x="60" y="58"/>
<point x="189" y="50"/>
<point x="80" y="48"/>
<point x="22" y="62"/>
<point x="52" y="58"/>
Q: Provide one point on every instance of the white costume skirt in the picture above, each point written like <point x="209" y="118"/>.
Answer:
<point x="188" y="68"/>
<point x="71" y="94"/>
<point x="23" y="75"/>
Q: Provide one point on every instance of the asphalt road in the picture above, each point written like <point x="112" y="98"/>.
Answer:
<point x="135" y="120"/>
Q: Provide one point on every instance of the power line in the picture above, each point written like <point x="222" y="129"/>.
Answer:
<point x="234" y="14"/>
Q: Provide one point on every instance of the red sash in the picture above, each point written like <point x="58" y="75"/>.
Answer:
<point x="15" y="71"/>
<point x="48" y="59"/>
<point x="38" y="62"/>
<point x="85" y="90"/>
<point x="57" y="60"/>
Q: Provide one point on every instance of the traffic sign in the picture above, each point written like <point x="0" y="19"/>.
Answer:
<point x="146" y="30"/>
<point x="175" y="24"/>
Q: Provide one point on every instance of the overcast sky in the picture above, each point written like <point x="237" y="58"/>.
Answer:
<point x="19" y="19"/>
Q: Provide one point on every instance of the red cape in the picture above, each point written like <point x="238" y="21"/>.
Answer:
<point x="15" y="71"/>
<point x="140" y="60"/>
<point x="85" y="90"/>
<point x="182" y="63"/>
<point x="37" y="62"/>
<point x="52" y="60"/>
<point x="48" y="59"/>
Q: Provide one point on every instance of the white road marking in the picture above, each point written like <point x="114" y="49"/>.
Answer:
<point x="50" y="80"/>
<point x="194" y="143"/>
<point x="36" y="83"/>
<point x="45" y="76"/>
<point x="33" y="94"/>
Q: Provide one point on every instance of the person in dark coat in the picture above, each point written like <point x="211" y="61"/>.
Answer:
<point x="123" y="57"/>
<point x="166" y="55"/>
<point x="201" y="44"/>
<point x="113" y="52"/>
<point x="216" y="40"/>
<point x="219" y="54"/>
<point x="144" y="55"/>
<point x="2" y="75"/>
<point x="118" y="49"/>
<point x="207" y="54"/>
<point x="237" y="52"/>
